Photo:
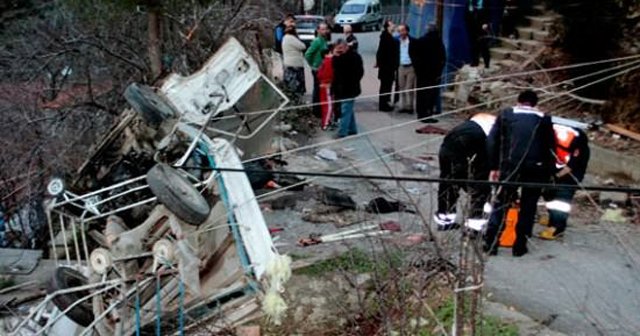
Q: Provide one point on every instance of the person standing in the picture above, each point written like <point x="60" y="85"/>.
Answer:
<point x="520" y="149"/>
<point x="293" y="59"/>
<point x="325" y="76"/>
<point x="406" y="74"/>
<point x="351" y="39"/>
<point x="463" y="156"/>
<point x="572" y="157"/>
<point x="477" y="23"/>
<point x="314" y="57"/>
<point x="347" y="73"/>
<point x="279" y="31"/>
<point x="428" y="69"/>
<point x="387" y="61"/>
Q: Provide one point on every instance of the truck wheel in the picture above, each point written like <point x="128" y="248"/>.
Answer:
<point x="177" y="194"/>
<point x="65" y="278"/>
<point x="153" y="108"/>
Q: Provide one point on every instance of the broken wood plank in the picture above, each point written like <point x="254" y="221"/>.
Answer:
<point x="623" y="131"/>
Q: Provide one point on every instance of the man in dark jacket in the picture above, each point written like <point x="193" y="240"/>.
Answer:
<point x="572" y="156"/>
<point x="387" y="61"/>
<point x="347" y="73"/>
<point x="428" y="67"/>
<point x="463" y="156"/>
<point x="477" y="23"/>
<point x="520" y="149"/>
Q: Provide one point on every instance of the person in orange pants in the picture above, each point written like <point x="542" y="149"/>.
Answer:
<point x="325" y="77"/>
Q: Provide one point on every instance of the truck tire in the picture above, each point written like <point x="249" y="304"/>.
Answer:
<point x="153" y="108"/>
<point x="176" y="193"/>
<point x="65" y="278"/>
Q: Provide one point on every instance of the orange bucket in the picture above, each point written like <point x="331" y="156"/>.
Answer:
<point x="508" y="237"/>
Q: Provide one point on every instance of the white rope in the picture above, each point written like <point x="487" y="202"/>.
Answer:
<point x="469" y="81"/>
<point x="378" y="158"/>
<point x="406" y="123"/>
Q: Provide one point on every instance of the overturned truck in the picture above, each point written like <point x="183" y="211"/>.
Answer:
<point x="184" y="244"/>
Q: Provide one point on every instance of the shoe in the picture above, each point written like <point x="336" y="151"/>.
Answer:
<point x="519" y="252"/>
<point x="386" y="109"/>
<point x="406" y="111"/>
<point x="444" y="218"/>
<point x="549" y="234"/>
<point x="489" y="249"/>
<point x="476" y="224"/>
<point x="445" y="222"/>
<point x="544" y="220"/>
<point x="429" y="121"/>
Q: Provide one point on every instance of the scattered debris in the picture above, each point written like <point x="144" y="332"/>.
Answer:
<point x="381" y="205"/>
<point x="614" y="216"/>
<point x="429" y="129"/>
<point x="421" y="167"/>
<point x="623" y="131"/>
<point x="336" y="197"/>
<point x="617" y="198"/>
<point x="361" y="232"/>
<point x="337" y="216"/>
<point x="287" y="201"/>
<point x="327" y="154"/>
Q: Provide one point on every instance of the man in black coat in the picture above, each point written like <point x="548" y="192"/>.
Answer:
<point x="387" y="62"/>
<point x="428" y="67"/>
<point x="347" y="73"/>
<point x="520" y="149"/>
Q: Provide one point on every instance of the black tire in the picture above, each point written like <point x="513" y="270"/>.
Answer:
<point x="153" y="108"/>
<point x="65" y="278"/>
<point x="177" y="194"/>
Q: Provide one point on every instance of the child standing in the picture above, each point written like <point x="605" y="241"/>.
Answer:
<point x="325" y="77"/>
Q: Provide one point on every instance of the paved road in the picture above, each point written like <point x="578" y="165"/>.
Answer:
<point x="585" y="285"/>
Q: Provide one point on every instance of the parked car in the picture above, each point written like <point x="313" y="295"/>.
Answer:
<point x="362" y="15"/>
<point x="306" y="27"/>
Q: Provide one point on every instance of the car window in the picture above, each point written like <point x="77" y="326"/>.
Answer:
<point x="307" y="24"/>
<point x="369" y="9"/>
<point x="353" y="9"/>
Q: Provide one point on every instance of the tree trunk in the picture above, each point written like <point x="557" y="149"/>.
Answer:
<point x="155" y="48"/>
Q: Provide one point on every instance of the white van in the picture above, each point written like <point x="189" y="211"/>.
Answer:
<point x="362" y="15"/>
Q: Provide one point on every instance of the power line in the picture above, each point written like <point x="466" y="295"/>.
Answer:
<point x="469" y="81"/>
<point x="406" y="178"/>
<point x="455" y="111"/>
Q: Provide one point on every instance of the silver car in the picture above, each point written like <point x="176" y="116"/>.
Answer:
<point x="306" y="27"/>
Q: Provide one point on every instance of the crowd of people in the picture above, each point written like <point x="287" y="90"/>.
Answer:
<point x="415" y="65"/>
<point x="519" y="146"/>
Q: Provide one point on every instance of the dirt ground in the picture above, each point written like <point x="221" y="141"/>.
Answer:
<point x="585" y="284"/>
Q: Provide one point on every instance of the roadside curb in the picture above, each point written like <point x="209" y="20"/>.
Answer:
<point x="606" y="162"/>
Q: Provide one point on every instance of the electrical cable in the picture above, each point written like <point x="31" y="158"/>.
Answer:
<point x="422" y="179"/>
<point x="468" y="81"/>
<point x="406" y="123"/>
<point x="358" y="163"/>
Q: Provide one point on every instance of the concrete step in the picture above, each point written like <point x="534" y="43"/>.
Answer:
<point x="499" y="53"/>
<point x="518" y="44"/>
<point x="527" y="33"/>
<point x="542" y="22"/>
